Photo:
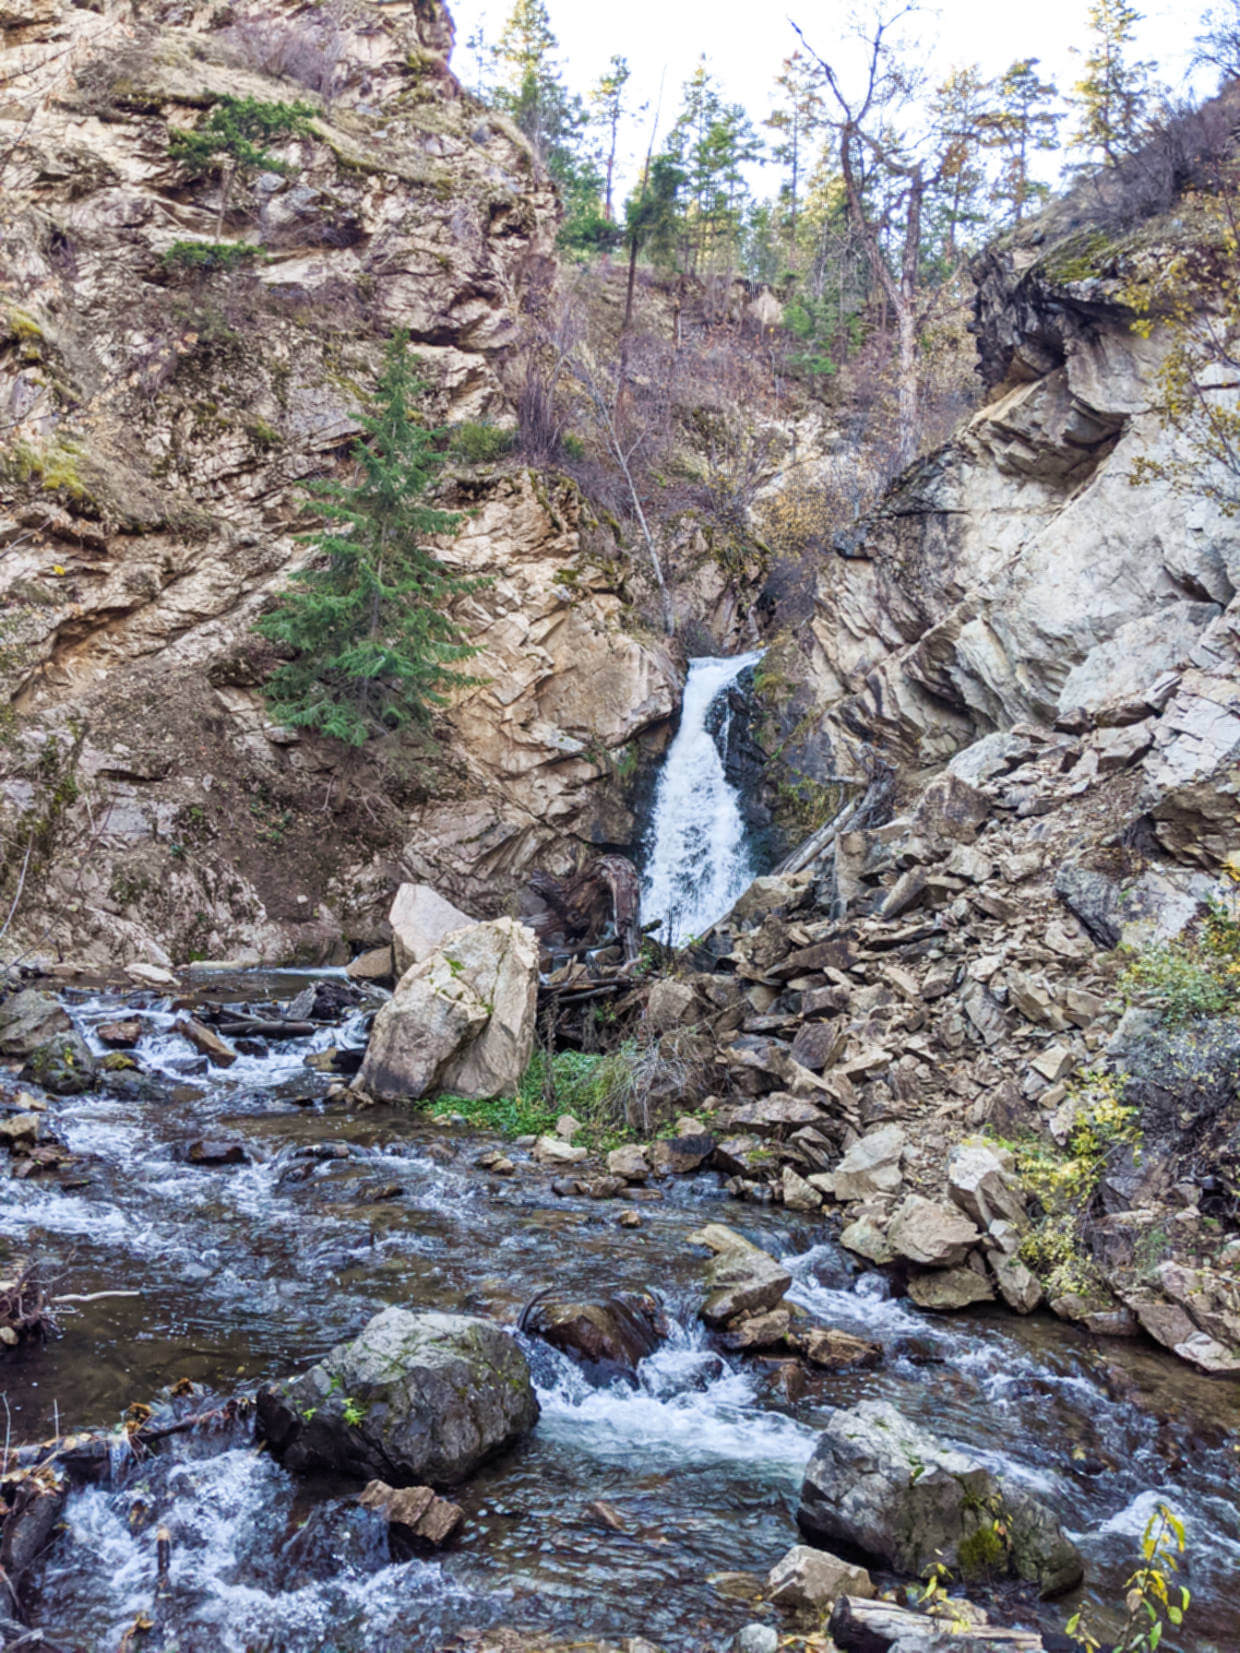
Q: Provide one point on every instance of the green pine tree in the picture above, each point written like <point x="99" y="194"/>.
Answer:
<point x="376" y="647"/>
<point x="230" y="142"/>
<point x="1112" y="97"/>
<point x="1022" y="125"/>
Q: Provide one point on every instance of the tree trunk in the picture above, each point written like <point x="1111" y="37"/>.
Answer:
<point x="906" y="332"/>
<point x="628" y="297"/>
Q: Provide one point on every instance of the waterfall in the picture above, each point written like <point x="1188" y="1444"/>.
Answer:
<point x="699" y="857"/>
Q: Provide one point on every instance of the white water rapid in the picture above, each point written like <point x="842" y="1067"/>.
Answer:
<point x="699" y="858"/>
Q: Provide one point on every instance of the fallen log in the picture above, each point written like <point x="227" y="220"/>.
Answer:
<point x="253" y="1028"/>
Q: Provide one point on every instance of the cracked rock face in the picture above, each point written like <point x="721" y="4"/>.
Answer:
<point x="164" y="420"/>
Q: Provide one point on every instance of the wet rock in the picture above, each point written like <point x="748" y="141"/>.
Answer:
<point x="62" y="1065"/>
<point x="122" y="1035"/>
<point x="553" y="1150"/>
<point x="756" y="1638"/>
<point x="150" y="975"/>
<point x="460" y="1021"/>
<point x="219" y="1054"/>
<point x="29" y="1019"/>
<point x="613" y="1332"/>
<point x="952" y="1288"/>
<point x="871" y="1165"/>
<point x="858" y="1625"/>
<point x="836" y="1351"/>
<point x="26" y="1529"/>
<point x="934" y="1235"/>
<point x="809" y="1578"/>
<point x="376" y="965"/>
<point x="19" y="1131"/>
<point x="679" y="1155"/>
<point x="420" y="919"/>
<point x="415" y="1514"/>
<point x="881" y="1485"/>
<point x="743" y="1282"/>
<point x="217" y="1151"/>
<point x="629" y="1162"/>
<point x="414" y="1398"/>
<point x="758" y="1331"/>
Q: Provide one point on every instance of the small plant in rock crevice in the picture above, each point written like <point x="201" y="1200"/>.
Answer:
<point x="1063" y="1182"/>
<point x="1193" y="975"/>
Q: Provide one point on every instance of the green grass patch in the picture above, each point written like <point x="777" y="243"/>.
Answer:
<point x="586" y="1086"/>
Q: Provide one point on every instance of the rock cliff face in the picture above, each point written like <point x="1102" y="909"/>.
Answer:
<point x="1017" y="574"/>
<point x="160" y="418"/>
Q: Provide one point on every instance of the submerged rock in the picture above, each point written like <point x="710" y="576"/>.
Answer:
<point x="413" y="1513"/>
<point x="882" y="1485"/>
<point x="414" y="1398"/>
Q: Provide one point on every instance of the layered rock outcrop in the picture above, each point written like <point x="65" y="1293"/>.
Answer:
<point x="163" y="411"/>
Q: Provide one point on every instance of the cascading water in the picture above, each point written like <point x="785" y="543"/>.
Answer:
<point x="615" y="1515"/>
<point x="700" y="858"/>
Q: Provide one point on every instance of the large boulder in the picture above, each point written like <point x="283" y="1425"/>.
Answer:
<point x="63" y="1064"/>
<point x="414" y="1399"/>
<point x="880" y="1484"/>
<point x="871" y="1165"/>
<point x="982" y="1181"/>
<point x="461" y="1021"/>
<point x="420" y="919"/>
<point x="29" y="1019"/>
<point x="934" y="1235"/>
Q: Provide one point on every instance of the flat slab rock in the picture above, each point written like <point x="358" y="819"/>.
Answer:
<point x="415" y="1398"/>
<point x="859" y="1625"/>
<point x="415" y="1512"/>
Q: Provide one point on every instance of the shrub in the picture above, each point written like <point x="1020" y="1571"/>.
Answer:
<point x="208" y="256"/>
<point x="1064" y="1181"/>
<point x="477" y="443"/>
<point x="1191" y="976"/>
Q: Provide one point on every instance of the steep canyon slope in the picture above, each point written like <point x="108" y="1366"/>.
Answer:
<point x="162" y="411"/>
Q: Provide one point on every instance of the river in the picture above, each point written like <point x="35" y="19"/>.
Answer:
<point x="253" y="1270"/>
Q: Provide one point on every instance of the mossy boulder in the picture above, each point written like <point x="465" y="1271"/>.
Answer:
<point x="414" y="1399"/>
<point x="890" y="1489"/>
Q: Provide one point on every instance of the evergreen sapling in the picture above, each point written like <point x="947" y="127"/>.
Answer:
<point x="377" y="649"/>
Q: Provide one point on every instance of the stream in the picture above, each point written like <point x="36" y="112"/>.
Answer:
<point x="250" y="1271"/>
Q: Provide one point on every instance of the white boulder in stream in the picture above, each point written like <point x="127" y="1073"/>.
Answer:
<point x="415" y="1398"/>
<point x="880" y="1484"/>
<point x="460" y="1021"/>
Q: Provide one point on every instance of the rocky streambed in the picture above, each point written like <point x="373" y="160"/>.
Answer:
<point x="261" y="1224"/>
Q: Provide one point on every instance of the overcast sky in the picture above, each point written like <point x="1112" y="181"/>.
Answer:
<point x="746" y="42"/>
